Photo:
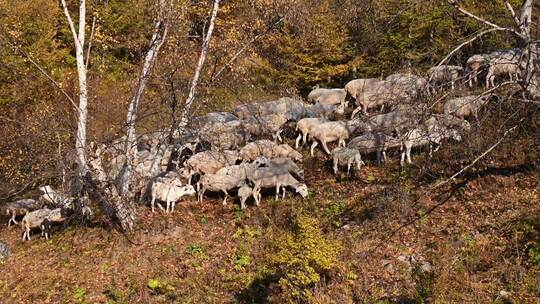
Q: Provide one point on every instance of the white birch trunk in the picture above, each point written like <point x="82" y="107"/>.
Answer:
<point x="78" y="38"/>
<point x="195" y="81"/>
<point x="180" y="127"/>
<point x="130" y="147"/>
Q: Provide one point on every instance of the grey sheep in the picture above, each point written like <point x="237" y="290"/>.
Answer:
<point x="466" y="106"/>
<point x="20" y="208"/>
<point x="4" y="250"/>
<point x="377" y="142"/>
<point x="270" y="177"/>
<point x="443" y="74"/>
<point x="343" y="156"/>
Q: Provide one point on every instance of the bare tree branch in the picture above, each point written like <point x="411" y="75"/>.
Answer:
<point x="488" y="23"/>
<point x="42" y="71"/>
<point x="90" y="41"/>
<point x="478" y="35"/>
<point x="476" y="159"/>
<point x="70" y="23"/>
<point x="512" y="12"/>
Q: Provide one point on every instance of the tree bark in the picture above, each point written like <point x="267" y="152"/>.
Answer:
<point x="78" y="38"/>
<point x="130" y="146"/>
<point x="195" y="80"/>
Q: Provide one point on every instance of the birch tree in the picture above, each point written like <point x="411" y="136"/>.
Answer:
<point x="178" y="128"/>
<point x="78" y="39"/>
<point x="158" y="38"/>
<point x="195" y="80"/>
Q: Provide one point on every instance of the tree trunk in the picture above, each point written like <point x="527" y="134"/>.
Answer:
<point x="130" y="147"/>
<point x="179" y="128"/>
<point x="529" y="61"/>
<point x="80" y="137"/>
<point x="195" y="81"/>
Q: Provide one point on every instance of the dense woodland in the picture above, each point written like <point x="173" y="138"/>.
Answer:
<point x="385" y="234"/>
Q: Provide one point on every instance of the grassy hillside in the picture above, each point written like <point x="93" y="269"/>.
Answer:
<point x="475" y="240"/>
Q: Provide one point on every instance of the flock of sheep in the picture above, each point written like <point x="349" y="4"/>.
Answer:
<point x="242" y="151"/>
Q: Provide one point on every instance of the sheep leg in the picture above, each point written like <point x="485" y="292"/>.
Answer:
<point x="409" y="155"/>
<point x="284" y="191"/>
<point x="335" y="166"/>
<point x="201" y="193"/>
<point x="297" y="142"/>
<point x="168" y="206"/>
<point x="278" y="135"/>
<point x="402" y="161"/>
<point x="225" y="199"/>
<point x="348" y="168"/>
<point x="315" y="143"/>
<point x="277" y="191"/>
<point x="28" y="234"/>
<point x="243" y="202"/>
<point x="12" y="219"/>
<point x="325" y="147"/>
<point x="358" y="109"/>
<point x="152" y="203"/>
<point x="341" y="143"/>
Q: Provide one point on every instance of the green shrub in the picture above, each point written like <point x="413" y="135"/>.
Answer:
<point x="303" y="256"/>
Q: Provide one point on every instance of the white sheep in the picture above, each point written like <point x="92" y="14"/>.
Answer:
<point x="54" y="197"/>
<point x="474" y="64"/>
<point x="19" y="208"/>
<point x="33" y="219"/>
<point x="216" y="183"/>
<point x="244" y="192"/>
<point x="466" y="106"/>
<point x="169" y="191"/>
<point x="305" y="125"/>
<point x="332" y="131"/>
<point x="209" y="162"/>
<point x="418" y="137"/>
<point x="328" y="96"/>
<point x="342" y="156"/>
<point x="357" y="86"/>
<point x="502" y="66"/>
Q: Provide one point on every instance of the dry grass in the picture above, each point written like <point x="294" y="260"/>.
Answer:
<point x="475" y="233"/>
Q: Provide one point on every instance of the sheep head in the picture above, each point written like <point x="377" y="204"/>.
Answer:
<point x="302" y="190"/>
<point x="189" y="190"/>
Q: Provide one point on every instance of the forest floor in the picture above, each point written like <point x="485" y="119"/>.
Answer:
<point x="474" y="240"/>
